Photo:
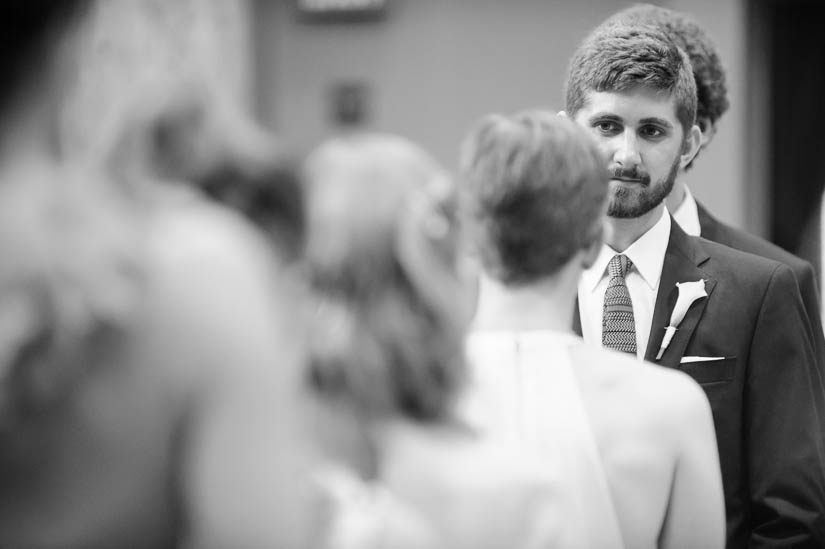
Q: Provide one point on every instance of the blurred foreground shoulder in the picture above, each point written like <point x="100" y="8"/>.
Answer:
<point x="230" y="334"/>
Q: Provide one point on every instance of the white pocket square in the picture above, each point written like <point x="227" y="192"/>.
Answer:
<point x="688" y="359"/>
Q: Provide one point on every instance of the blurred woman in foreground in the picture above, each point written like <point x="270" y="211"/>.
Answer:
<point x="150" y="386"/>
<point x="387" y="360"/>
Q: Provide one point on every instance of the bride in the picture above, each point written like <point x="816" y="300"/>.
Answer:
<point x="635" y="443"/>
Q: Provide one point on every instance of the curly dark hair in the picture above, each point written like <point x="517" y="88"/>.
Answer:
<point x="617" y="57"/>
<point x="711" y="88"/>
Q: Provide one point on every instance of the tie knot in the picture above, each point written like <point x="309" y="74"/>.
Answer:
<point x="619" y="265"/>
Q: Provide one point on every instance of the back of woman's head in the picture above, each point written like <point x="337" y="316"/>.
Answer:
<point x="382" y="250"/>
<point x="190" y="135"/>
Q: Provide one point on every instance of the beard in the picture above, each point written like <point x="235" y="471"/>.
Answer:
<point x="630" y="202"/>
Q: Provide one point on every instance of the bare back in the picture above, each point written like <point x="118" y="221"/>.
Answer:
<point x="655" y="435"/>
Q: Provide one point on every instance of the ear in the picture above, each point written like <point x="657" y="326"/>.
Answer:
<point x="708" y="130"/>
<point x="691" y="146"/>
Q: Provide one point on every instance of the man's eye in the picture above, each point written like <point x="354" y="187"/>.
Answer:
<point x="607" y="127"/>
<point x="651" y="132"/>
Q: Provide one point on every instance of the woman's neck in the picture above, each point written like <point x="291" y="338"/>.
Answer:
<point x="544" y="305"/>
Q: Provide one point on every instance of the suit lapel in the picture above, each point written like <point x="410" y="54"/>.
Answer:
<point x="683" y="258"/>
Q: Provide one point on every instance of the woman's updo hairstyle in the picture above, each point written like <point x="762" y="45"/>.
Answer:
<point x="382" y="257"/>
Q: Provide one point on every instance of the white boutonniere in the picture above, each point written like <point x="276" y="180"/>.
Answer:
<point x="688" y="293"/>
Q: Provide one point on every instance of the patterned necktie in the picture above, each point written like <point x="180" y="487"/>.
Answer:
<point x="618" y="327"/>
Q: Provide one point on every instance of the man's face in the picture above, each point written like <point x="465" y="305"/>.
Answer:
<point x="642" y="139"/>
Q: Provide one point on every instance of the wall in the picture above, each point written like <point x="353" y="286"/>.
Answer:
<point x="719" y="176"/>
<point x="435" y="66"/>
<point x="136" y="51"/>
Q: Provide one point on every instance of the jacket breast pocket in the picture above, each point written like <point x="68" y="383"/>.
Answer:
<point x="711" y="371"/>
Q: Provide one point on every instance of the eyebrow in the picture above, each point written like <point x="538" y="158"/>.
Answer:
<point x="655" y="120"/>
<point x="604" y="116"/>
<point x="614" y="118"/>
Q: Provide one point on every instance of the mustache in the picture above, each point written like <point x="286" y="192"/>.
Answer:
<point x="631" y="173"/>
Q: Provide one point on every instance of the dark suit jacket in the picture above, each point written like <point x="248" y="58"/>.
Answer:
<point x="768" y="421"/>
<point x="715" y="230"/>
<point x="761" y="391"/>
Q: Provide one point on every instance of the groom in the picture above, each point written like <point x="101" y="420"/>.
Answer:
<point x="733" y="321"/>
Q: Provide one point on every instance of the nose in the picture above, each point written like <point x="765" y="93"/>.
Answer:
<point x="627" y="151"/>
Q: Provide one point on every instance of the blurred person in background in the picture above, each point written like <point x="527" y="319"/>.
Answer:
<point x="712" y="102"/>
<point x="636" y="442"/>
<point x="407" y="468"/>
<point x="189" y="140"/>
<point x="151" y="385"/>
<point x="733" y="321"/>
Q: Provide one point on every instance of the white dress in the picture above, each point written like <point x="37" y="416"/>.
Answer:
<point x="456" y="492"/>
<point x="523" y="389"/>
<point x="366" y="515"/>
<point x="529" y="477"/>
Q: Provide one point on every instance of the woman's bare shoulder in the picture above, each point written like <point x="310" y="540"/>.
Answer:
<point x="659" y="393"/>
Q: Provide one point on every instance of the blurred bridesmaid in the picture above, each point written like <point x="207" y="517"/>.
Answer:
<point x="150" y="390"/>
<point x="405" y="468"/>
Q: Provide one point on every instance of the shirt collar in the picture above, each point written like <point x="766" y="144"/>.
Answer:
<point x="687" y="215"/>
<point x="647" y="255"/>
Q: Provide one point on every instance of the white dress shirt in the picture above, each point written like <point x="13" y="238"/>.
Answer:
<point x="648" y="256"/>
<point x="687" y="215"/>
